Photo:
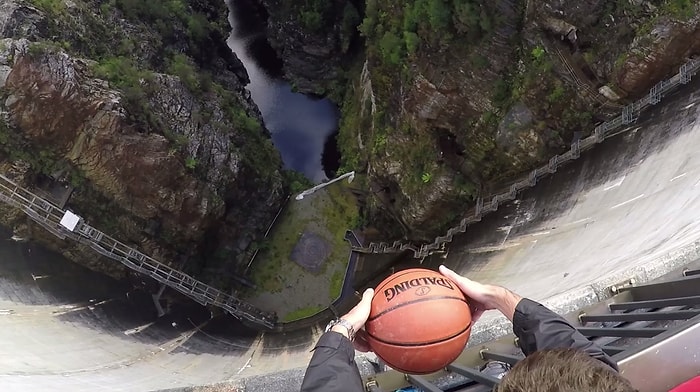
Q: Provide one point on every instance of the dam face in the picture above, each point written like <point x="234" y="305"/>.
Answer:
<point x="630" y="206"/>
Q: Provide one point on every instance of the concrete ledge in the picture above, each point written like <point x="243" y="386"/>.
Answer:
<point x="494" y="327"/>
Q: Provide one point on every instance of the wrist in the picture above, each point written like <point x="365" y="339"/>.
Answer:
<point x="506" y="301"/>
<point x="341" y="330"/>
<point x="343" y="327"/>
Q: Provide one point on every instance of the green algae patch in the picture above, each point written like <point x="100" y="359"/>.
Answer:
<point x="296" y="290"/>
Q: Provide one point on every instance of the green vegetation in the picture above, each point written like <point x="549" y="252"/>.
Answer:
<point x="297" y="181"/>
<point x="39" y="48"/>
<point x="191" y="163"/>
<point x="538" y="53"/>
<point x="402" y="38"/>
<point x="302" y="313"/>
<point x="556" y="94"/>
<point x="177" y="37"/>
<point x="681" y="9"/>
<point x="400" y="28"/>
<point x="479" y="61"/>
<point x="620" y="61"/>
<point x="51" y="7"/>
<point x="313" y="14"/>
<point x="182" y="67"/>
<point x="135" y="84"/>
<point x="336" y="284"/>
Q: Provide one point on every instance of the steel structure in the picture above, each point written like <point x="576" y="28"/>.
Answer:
<point x="49" y="216"/>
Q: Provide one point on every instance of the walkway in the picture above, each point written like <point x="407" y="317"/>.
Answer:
<point x="49" y="216"/>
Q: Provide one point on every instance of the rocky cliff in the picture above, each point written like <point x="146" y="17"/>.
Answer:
<point x="317" y="39"/>
<point x="139" y="107"/>
<point x="449" y="99"/>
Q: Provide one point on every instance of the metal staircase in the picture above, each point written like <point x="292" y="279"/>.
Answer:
<point x="485" y="205"/>
<point x="49" y="216"/>
<point x="652" y="331"/>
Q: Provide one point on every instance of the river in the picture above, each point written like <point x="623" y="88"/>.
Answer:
<point x="300" y="125"/>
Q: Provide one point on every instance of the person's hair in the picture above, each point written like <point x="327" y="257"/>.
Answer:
<point x="563" y="370"/>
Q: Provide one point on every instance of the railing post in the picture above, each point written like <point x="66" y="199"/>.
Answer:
<point x="655" y="93"/>
<point x="685" y="76"/>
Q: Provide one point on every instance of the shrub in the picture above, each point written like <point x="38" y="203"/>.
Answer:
<point x="557" y="93"/>
<point x="181" y="66"/>
<point x="369" y="23"/>
<point x="133" y="82"/>
<point x="538" y="53"/>
<point x="466" y="17"/>
<point x="191" y="163"/>
<point x="681" y="9"/>
<point x="52" y="7"/>
<point x="412" y="41"/>
<point x="198" y="29"/>
<point x="391" y="48"/>
<point x="438" y="14"/>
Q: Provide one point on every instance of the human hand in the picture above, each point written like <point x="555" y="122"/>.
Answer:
<point x="483" y="297"/>
<point x="357" y="317"/>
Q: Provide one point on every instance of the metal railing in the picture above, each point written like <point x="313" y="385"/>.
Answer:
<point x="483" y="206"/>
<point x="49" y="216"/>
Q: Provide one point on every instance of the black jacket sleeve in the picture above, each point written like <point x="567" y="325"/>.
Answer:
<point x="332" y="367"/>
<point x="538" y="328"/>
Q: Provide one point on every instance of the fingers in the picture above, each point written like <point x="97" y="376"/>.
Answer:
<point x="466" y="285"/>
<point x="474" y="290"/>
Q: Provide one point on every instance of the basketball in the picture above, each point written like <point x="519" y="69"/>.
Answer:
<point x="419" y="322"/>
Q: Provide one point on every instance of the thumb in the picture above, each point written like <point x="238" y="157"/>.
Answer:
<point x="360" y="313"/>
<point x="367" y="297"/>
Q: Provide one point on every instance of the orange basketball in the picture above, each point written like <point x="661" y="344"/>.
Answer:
<point x="420" y="321"/>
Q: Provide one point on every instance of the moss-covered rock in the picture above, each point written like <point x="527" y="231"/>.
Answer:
<point x="141" y="107"/>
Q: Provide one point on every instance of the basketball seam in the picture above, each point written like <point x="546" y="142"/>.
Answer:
<point x="421" y="343"/>
<point x="385" y="311"/>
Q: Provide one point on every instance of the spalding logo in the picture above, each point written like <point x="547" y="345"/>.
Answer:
<point x="423" y="290"/>
<point x="422" y="283"/>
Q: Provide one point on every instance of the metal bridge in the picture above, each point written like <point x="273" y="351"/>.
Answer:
<point x="485" y="205"/>
<point x="49" y="216"/>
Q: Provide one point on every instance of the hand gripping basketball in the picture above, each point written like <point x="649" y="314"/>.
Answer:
<point x="483" y="297"/>
<point x="357" y="317"/>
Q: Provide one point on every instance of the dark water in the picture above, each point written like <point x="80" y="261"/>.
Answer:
<point x="303" y="128"/>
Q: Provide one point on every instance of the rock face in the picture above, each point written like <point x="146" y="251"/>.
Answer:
<point x="315" y="40"/>
<point x="457" y="98"/>
<point x="178" y="164"/>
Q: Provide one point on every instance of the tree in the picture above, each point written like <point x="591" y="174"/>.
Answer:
<point x="438" y="14"/>
<point x="391" y="48"/>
